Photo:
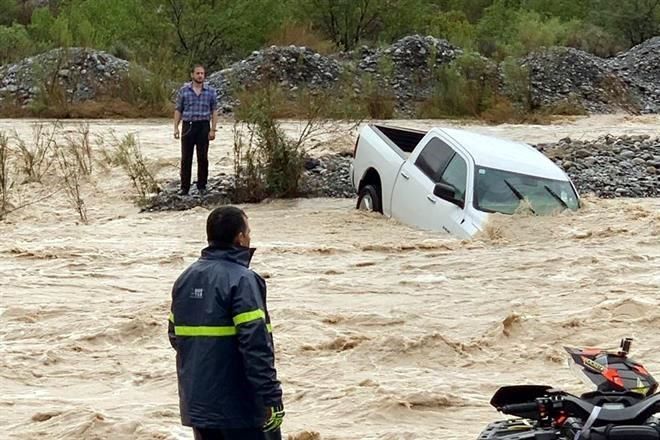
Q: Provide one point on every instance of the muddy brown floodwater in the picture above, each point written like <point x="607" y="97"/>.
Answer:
<point x="382" y="331"/>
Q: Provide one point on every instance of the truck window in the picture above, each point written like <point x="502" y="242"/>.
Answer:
<point x="456" y="175"/>
<point x="434" y="158"/>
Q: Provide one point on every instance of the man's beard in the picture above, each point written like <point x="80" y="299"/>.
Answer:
<point x="196" y="81"/>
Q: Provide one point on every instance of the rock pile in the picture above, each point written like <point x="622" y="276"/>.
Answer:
<point x="625" y="166"/>
<point x="82" y="74"/>
<point x="406" y="68"/>
<point x="220" y="192"/>
<point x="403" y="69"/>
<point x="327" y="176"/>
<point x="570" y="75"/>
<point x="288" y="67"/>
<point x="404" y="72"/>
<point x="640" y="69"/>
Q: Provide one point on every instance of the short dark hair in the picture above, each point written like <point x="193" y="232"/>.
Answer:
<point x="224" y="224"/>
<point x="195" y="66"/>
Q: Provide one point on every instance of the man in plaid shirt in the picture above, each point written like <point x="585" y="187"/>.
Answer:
<point x="197" y="107"/>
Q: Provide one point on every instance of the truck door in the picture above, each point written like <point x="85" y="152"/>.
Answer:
<point x="413" y="201"/>
<point x="449" y="214"/>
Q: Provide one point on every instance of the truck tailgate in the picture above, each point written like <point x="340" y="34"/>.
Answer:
<point x="378" y="152"/>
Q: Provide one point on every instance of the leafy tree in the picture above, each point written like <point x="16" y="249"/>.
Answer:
<point x="347" y="22"/>
<point x="211" y="31"/>
<point x="8" y="12"/>
<point x="564" y="9"/>
<point x="635" y="20"/>
<point x="455" y="27"/>
<point x="473" y="9"/>
<point x="15" y="43"/>
<point x="505" y="31"/>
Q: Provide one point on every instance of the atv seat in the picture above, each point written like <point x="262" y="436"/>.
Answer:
<point x="624" y="432"/>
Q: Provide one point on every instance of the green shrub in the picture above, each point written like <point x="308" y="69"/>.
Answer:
<point x="464" y="88"/>
<point x="15" y="43"/>
<point x="268" y="163"/>
<point x="128" y="154"/>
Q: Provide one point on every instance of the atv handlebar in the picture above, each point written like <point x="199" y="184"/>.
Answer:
<point x="514" y="408"/>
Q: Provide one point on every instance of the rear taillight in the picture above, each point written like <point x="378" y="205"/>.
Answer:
<point x="356" y="145"/>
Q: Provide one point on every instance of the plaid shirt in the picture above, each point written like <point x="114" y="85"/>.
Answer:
<point x="196" y="108"/>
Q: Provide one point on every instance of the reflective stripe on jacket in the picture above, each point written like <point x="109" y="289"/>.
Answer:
<point x="220" y="328"/>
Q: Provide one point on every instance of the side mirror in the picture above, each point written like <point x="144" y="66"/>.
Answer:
<point x="447" y="192"/>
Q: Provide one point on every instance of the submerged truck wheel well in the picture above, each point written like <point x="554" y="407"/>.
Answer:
<point x="371" y="177"/>
<point x="370" y="192"/>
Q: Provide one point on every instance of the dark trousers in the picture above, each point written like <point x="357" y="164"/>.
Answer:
<point x="195" y="134"/>
<point x="236" y="434"/>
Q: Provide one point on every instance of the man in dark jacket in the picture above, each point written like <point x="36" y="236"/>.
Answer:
<point x="220" y="328"/>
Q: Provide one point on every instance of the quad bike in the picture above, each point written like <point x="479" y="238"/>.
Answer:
<point x="621" y="408"/>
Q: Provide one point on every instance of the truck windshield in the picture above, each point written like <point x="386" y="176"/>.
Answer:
<point x="503" y="191"/>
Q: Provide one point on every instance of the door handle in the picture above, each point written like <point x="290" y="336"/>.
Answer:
<point x="405" y="176"/>
<point x="430" y="199"/>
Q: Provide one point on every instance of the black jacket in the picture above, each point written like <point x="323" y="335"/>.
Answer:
<point x="220" y="328"/>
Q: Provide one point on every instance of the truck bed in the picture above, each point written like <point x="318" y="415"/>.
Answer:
<point x="403" y="139"/>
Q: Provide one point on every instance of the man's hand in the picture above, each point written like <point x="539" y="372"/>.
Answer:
<point x="176" y="133"/>
<point x="275" y="417"/>
<point x="212" y="135"/>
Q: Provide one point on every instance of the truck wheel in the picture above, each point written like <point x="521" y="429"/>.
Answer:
<point x="369" y="199"/>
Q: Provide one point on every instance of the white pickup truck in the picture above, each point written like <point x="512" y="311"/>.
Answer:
<point x="450" y="180"/>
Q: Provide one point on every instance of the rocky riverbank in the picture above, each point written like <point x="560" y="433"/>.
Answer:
<point x="405" y="72"/>
<point x="627" y="166"/>
<point x="75" y="75"/>
<point x="608" y="167"/>
<point x="327" y="176"/>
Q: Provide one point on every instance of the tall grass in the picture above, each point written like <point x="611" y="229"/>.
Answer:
<point x="149" y="93"/>
<point x="79" y="144"/>
<point x="128" y="154"/>
<point x="5" y="182"/>
<point x="72" y="178"/>
<point x="301" y="34"/>
<point x="36" y="157"/>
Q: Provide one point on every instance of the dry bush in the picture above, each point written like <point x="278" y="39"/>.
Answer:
<point x="14" y="110"/>
<point x="102" y="107"/>
<point x="128" y="154"/>
<point x="72" y="178"/>
<point x="379" y="103"/>
<point x="79" y="144"/>
<point x="36" y="157"/>
<point x="617" y="93"/>
<point x="570" y="106"/>
<point x="501" y="111"/>
<point x="69" y="161"/>
<point x="248" y="174"/>
<point x="5" y="178"/>
<point x="11" y="197"/>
